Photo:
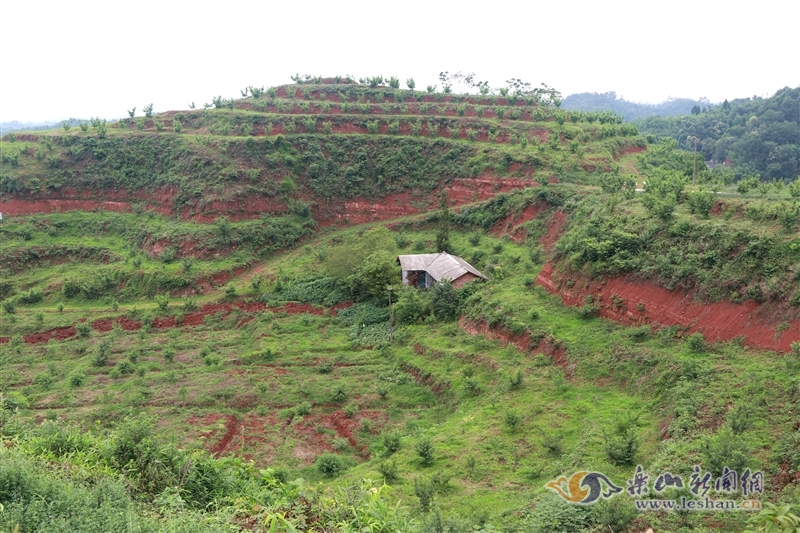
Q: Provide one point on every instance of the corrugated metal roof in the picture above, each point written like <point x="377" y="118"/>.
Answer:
<point x="439" y="266"/>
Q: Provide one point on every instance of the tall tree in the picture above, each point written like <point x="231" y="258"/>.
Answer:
<point x="443" y="230"/>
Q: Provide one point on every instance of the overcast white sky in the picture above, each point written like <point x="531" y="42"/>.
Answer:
<point x="69" y="58"/>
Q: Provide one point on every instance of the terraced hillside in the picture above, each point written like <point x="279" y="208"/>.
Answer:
<point x="194" y="314"/>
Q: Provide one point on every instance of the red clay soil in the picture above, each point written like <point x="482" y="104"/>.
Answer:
<point x="719" y="321"/>
<point x="189" y="319"/>
<point x="546" y="345"/>
<point x="39" y="338"/>
<point x="630" y="150"/>
<point x="441" y="390"/>
<point x="231" y="426"/>
<point x="510" y="225"/>
<point x="20" y="207"/>
<point x="467" y="190"/>
<point x="556" y="226"/>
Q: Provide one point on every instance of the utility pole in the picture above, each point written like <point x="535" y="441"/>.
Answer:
<point x="391" y="332"/>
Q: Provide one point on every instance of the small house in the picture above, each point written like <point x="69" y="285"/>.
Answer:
<point x="423" y="270"/>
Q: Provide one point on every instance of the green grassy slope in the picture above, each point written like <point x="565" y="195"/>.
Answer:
<point x="199" y="367"/>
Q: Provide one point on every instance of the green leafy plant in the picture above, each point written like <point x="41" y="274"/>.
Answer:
<point x="779" y="518"/>
<point x="425" y="450"/>
<point x="330" y="465"/>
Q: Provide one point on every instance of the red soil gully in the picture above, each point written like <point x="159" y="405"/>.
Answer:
<point x="189" y="319"/>
<point x="718" y="321"/>
<point x="231" y="426"/>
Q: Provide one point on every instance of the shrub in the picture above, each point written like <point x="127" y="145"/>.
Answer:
<point x="615" y="514"/>
<point x="103" y="353"/>
<point x="589" y="308"/>
<point x="723" y="449"/>
<point x="425" y="451"/>
<point x="740" y="418"/>
<point x="9" y="306"/>
<point x="515" y="380"/>
<point x="230" y="291"/>
<point x="552" y="442"/>
<point x="697" y="342"/>
<point x="189" y="304"/>
<point x="388" y="470"/>
<point x="512" y="419"/>
<point x="76" y="379"/>
<point x="552" y="514"/>
<point x="330" y="465"/>
<point x="391" y="443"/>
<point x="162" y="300"/>
<point x="302" y="409"/>
<point x="444" y="300"/>
<point x="621" y="448"/>
<point x="471" y="386"/>
<point x="425" y="491"/>
<point x="83" y="329"/>
<point x="339" y="395"/>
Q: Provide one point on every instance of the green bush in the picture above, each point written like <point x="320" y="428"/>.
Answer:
<point x="697" y="343"/>
<point x="162" y="300"/>
<point x="391" y="443"/>
<point x="425" y="450"/>
<point x="330" y="465"/>
<point x="724" y="449"/>
<point x="740" y="418"/>
<point x="102" y="354"/>
<point x="76" y="379"/>
<point x="412" y="306"/>
<point x="512" y="420"/>
<point x="621" y="447"/>
<point x="551" y="514"/>
<point x="445" y="301"/>
<point x="9" y="306"/>
<point x="425" y="492"/>
<point x="389" y="471"/>
<point x="302" y="409"/>
<point x="614" y="514"/>
<point x="339" y="395"/>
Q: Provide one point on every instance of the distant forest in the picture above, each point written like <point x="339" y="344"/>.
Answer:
<point x="16" y="125"/>
<point x="631" y="110"/>
<point x="755" y="135"/>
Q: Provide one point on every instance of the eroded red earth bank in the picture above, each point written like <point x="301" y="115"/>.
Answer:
<point x="195" y="318"/>
<point x="356" y="210"/>
<point x="634" y="302"/>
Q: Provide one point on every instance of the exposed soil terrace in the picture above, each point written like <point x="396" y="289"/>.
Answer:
<point x="546" y="345"/>
<point x="357" y="210"/>
<point x="511" y="225"/>
<point x="556" y="227"/>
<point x="633" y="302"/>
<point x="195" y="318"/>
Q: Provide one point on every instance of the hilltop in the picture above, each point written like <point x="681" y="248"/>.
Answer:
<point x="195" y="330"/>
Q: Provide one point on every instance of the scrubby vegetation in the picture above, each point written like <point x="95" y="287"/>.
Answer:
<point x="194" y="364"/>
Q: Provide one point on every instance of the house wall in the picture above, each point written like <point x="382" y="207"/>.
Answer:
<point x="463" y="280"/>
